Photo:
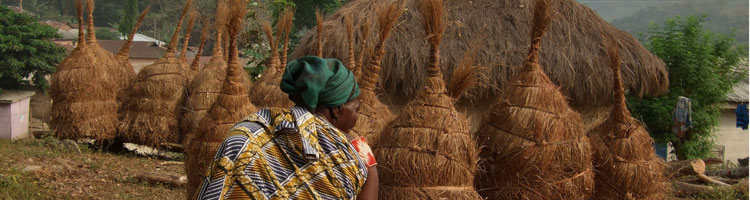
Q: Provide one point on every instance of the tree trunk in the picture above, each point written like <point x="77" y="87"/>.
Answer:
<point x="686" y="167"/>
<point x="735" y="173"/>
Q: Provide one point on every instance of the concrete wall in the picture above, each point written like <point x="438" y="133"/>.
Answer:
<point x="734" y="139"/>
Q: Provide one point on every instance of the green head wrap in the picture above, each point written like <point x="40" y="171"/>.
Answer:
<point x="319" y="82"/>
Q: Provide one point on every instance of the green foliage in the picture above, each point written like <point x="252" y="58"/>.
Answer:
<point x="129" y="17"/>
<point x="703" y="66"/>
<point x="304" y="14"/>
<point x="106" y="34"/>
<point x="26" y="50"/>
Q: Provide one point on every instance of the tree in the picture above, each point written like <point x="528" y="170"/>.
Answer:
<point x="26" y="50"/>
<point x="129" y="15"/>
<point x="703" y="66"/>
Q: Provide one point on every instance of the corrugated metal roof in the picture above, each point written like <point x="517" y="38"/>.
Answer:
<point x="739" y="93"/>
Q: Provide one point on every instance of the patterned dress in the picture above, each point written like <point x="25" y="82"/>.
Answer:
<point x="285" y="154"/>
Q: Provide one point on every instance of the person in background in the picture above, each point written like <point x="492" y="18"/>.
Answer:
<point x="303" y="152"/>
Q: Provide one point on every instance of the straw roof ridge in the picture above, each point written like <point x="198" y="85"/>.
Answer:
<point x="573" y="63"/>
<point x="191" y="22"/>
<point x="319" y="32"/>
<point x="195" y="65"/>
<point x="286" y="18"/>
<point x="266" y="92"/>
<point x="83" y="94"/>
<point x="122" y="55"/>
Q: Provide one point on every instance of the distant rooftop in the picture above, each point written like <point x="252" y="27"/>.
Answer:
<point x="739" y="93"/>
<point x="140" y="49"/>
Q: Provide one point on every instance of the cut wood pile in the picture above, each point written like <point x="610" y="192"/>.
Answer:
<point x="690" y="178"/>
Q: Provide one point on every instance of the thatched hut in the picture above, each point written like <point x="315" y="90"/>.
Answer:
<point x="122" y="58"/>
<point x="266" y="92"/>
<point x="573" y="59"/>
<point x="231" y="106"/>
<point x="626" y="164"/>
<point x="195" y="66"/>
<point x="427" y="151"/>
<point x="534" y="145"/>
<point x="83" y="94"/>
<point x="155" y="101"/>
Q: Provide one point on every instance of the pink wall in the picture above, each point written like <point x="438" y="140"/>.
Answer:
<point x="14" y="119"/>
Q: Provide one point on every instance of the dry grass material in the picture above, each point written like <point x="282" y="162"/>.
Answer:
<point x="573" y="61"/>
<point x="319" y="32"/>
<point x="106" y="59"/>
<point x="625" y="162"/>
<point x="230" y="107"/>
<point x="364" y="31"/>
<point x="427" y="151"/>
<point x="534" y="144"/>
<point x="351" y="59"/>
<point x="373" y="114"/>
<point x="183" y="53"/>
<point x="155" y="101"/>
<point x="83" y="94"/>
<point x="266" y="92"/>
<point x="204" y="90"/>
<point x="122" y="57"/>
<point x="286" y="27"/>
<point x="195" y="65"/>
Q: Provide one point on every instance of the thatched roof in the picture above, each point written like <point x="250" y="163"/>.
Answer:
<point x="574" y="56"/>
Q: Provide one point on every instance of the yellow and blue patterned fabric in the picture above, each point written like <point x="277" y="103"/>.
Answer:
<point x="284" y="154"/>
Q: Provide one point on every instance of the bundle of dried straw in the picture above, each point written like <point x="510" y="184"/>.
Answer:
<point x="427" y="152"/>
<point x="183" y="53"/>
<point x="155" y="101"/>
<point x="83" y="94"/>
<point x="373" y="114"/>
<point x="266" y="92"/>
<point x="534" y="144"/>
<point x="626" y="165"/>
<point x="231" y="106"/>
<point x="122" y="57"/>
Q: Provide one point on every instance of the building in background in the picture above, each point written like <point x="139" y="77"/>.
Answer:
<point x="731" y="139"/>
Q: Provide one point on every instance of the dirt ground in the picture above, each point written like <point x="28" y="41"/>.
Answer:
<point x="51" y="169"/>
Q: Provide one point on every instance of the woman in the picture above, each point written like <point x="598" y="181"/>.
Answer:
<point x="303" y="152"/>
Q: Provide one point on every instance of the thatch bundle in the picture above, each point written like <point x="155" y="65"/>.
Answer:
<point x="626" y="165"/>
<point x="105" y="58"/>
<point x="266" y="92"/>
<point x="231" y="106"/>
<point x="83" y="94"/>
<point x="534" y="143"/>
<point x="373" y="115"/>
<point x="195" y="66"/>
<point x="502" y="25"/>
<point x="154" y="105"/>
<point x="183" y="53"/>
<point x="206" y="85"/>
<point x="122" y="58"/>
<point x="427" y="151"/>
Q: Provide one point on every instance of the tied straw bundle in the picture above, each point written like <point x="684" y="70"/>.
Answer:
<point x="373" y="114"/>
<point x="267" y="92"/>
<point x="534" y="145"/>
<point x="183" y="53"/>
<point x="196" y="64"/>
<point x="231" y="106"/>
<point x="626" y="165"/>
<point x="206" y="85"/>
<point x="153" y="109"/>
<point x="105" y="58"/>
<point x="427" y="152"/>
<point x="83" y="94"/>
<point x="128" y="74"/>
